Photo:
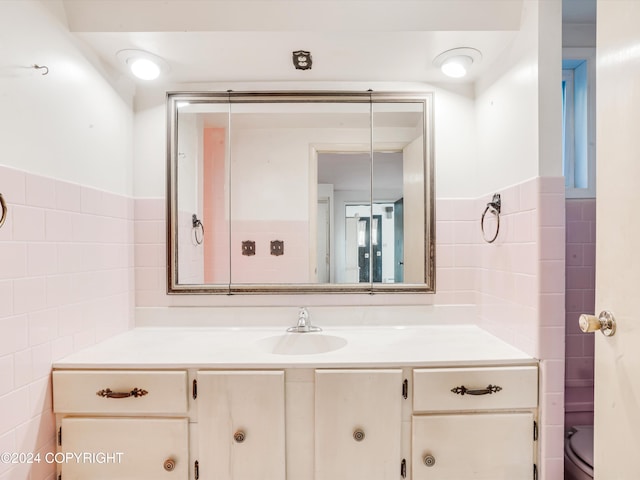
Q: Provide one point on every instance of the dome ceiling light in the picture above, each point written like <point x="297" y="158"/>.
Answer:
<point x="143" y="65"/>
<point x="457" y="62"/>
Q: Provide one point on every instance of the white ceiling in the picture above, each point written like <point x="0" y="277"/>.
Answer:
<point x="349" y="40"/>
<point x="253" y="40"/>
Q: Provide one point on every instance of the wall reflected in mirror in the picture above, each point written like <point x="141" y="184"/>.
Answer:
<point x="361" y="230"/>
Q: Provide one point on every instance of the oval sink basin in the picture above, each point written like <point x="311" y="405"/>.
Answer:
<point x="301" y="343"/>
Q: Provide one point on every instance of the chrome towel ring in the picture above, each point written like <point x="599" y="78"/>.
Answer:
<point x="3" y="215"/>
<point x="494" y="206"/>
<point x="197" y="225"/>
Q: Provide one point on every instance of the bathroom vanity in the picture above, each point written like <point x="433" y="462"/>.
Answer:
<point x="374" y="403"/>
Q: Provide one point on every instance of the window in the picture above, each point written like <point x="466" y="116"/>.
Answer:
<point x="578" y="122"/>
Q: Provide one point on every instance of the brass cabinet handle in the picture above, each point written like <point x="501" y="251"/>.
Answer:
<point x="462" y="390"/>
<point x="429" y="460"/>
<point x="169" y="464"/>
<point x="108" y="393"/>
<point x="358" y="435"/>
<point x="239" y="436"/>
<point x="3" y="215"/>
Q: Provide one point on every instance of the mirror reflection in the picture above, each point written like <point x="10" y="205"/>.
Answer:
<point x="299" y="193"/>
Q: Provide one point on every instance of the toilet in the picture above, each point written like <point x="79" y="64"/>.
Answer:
<point x="578" y="453"/>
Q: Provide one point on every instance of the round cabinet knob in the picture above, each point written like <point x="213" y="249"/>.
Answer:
<point x="429" y="460"/>
<point x="358" y="435"/>
<point x="605" y="322"/>
<point x="239" y="436"/>
<point x="169" y="464"/>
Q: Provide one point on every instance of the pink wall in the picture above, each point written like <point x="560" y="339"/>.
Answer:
<point x="580" y="285"/>
<point x="215" y="207"/>
<point x="211" y="260"/>
<point x="66" y="282"/>
<point x="516" y="283"/>
<point x="190" y="254"/>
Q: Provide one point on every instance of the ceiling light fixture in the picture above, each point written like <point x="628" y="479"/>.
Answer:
<point x="456" y="62"/>
<point x="144" y="65"/>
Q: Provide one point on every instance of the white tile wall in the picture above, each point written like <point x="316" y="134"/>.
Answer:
<point x="66" y="282"/>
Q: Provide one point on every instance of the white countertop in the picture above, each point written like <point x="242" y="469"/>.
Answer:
<point x="252" y="347"/>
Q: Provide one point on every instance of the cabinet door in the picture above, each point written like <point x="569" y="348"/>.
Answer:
<point x="124" y="448"/>
<point x="493" y="446"/>
<point x="358" y="424"/>
<point x="241" y="425"/>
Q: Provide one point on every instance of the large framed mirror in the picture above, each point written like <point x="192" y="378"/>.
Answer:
<point x="300" y="192"/>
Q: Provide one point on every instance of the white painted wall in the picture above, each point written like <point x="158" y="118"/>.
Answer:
<point x="507" y="113"/>
<point x="519" y="104"/>
<point x="71" y="124"/>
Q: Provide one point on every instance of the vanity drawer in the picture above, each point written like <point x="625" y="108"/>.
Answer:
<point x="450" y="389"/>
<point x="112" y="391"/>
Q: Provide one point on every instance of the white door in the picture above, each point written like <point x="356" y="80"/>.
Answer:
<point x="124" y="448"/>
<point x="358" y="422"/>
<point x="617" y="364"/>
<point x="241" y="425"/>
<point x="472" y="446"/>
<point x="324" y="232"/>
<point x="413" y="210"/>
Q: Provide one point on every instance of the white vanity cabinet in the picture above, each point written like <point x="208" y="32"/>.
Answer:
<point x="130" y="425"/>
<point x="389" y="405"/>
<point x="474" y="423"/>
<point x="358" y="424"/>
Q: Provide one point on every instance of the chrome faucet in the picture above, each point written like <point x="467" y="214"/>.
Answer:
<point x="304" y="323"/>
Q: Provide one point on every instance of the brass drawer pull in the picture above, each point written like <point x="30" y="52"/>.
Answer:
<point x="239" y="436"/>
<point x="108" y="393"/>
<point x="462" y="390"/>
<point x="169" y="464"/>
<point x="358" y="435"/>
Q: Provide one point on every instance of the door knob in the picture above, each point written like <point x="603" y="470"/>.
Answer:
<point x="605" y="322"/>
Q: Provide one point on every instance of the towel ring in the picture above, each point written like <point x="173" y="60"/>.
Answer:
<point x="3" y="215"/>
<point x="494" y="206"/>
<point x="197" y="224"/>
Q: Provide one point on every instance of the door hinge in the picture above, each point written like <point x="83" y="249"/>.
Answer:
<point x="196" y="470"/>
<point x="194" y="389"/>
<point x="535" y="431"/>
<point x="59" y="436"/>
<point x="535" y="472"/>
<point x="405" y="389"/>
<point x="403" y="468"/>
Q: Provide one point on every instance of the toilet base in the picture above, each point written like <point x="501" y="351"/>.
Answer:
<point x="578" y="453"/>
